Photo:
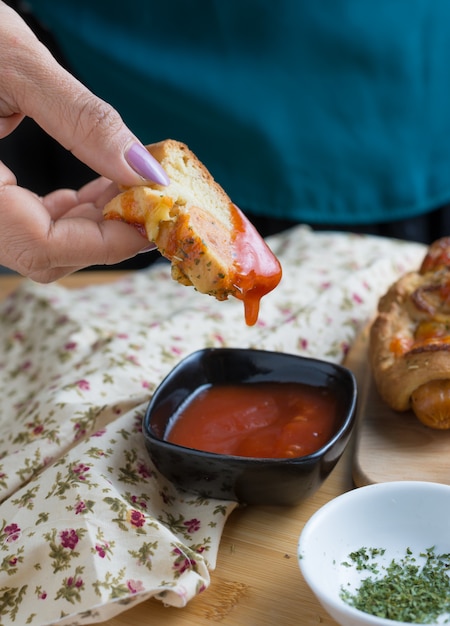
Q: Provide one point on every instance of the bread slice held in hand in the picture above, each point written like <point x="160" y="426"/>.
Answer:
<point x="210" y="243"/>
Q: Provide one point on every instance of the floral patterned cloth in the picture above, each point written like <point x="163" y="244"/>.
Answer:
<point x="87" y="526"/>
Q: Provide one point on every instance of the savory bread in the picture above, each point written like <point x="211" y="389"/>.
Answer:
<point x="410" y="340"/>
<point x="192" y="221"/>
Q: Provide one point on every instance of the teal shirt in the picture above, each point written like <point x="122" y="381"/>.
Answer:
<point x="331" y="111"/>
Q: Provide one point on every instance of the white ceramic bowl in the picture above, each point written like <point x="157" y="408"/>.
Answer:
<point x="394" y="516"/>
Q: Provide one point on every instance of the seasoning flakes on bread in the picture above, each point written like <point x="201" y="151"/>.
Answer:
<point x="210" y="243"/>
<point x="410" y="340"/>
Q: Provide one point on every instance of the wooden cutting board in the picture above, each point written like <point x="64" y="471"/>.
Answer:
<point x="389" y="445"/>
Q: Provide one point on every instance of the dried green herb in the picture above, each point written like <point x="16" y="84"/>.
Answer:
<point x="404" y="590"/>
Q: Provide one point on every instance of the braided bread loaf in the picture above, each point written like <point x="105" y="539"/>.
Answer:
<point x="410" y="340"/>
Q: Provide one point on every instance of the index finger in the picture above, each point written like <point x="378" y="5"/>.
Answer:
<point x="35" y="84"/>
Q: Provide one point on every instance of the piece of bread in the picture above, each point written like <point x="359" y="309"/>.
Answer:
<point x="410" y="340"/>
<point x="209" y="242"/>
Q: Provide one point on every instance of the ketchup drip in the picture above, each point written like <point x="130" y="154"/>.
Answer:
<point x="258" y="271"/>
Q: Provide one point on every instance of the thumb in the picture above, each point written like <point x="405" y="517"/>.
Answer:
<point x="83" y="123"/>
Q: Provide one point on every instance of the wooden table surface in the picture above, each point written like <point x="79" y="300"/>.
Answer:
<point x="257" y="581"/>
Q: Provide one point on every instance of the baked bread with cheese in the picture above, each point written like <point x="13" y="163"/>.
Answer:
<point x="210" y="243"/>
<point x="410" y="340"/>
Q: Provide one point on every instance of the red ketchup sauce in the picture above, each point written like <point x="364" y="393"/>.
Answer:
<point x="258" y="271"/>
<point x="264" y="420"/>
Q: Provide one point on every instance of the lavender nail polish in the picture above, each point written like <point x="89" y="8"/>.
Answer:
<point x="148" y="248"/>
<point x="140" y="159"/>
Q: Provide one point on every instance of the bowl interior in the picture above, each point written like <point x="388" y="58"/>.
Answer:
<point x="395" y="517"/>
<point x="232" y="365"/>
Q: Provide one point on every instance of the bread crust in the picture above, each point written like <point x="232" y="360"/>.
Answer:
<point x="410" y="340"/>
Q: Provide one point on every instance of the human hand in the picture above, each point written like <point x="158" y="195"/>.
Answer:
<point x="46" y="238"/>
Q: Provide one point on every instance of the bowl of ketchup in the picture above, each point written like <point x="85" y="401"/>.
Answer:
<point x="250" y="425"/>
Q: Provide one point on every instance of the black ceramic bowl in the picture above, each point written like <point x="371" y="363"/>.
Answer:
<point x="245" y="479"/>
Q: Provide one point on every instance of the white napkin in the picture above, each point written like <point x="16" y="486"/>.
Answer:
<point x="87" y="525"/>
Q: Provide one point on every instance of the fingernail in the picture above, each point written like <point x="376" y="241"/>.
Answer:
<point x="140" y="159"/>
<point x="147" y="249"/>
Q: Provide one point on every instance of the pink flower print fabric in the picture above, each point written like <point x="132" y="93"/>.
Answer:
<point x="87" y="525"/>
